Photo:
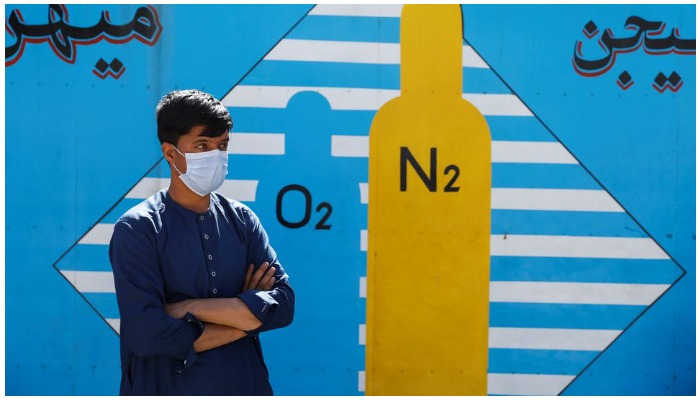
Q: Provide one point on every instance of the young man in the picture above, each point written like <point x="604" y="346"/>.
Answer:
<point x="191" y="299"/>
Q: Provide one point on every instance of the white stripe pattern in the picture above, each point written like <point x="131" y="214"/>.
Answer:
<point x="551" y="339"/>
<point x="553" y="200"/>
<point x="363" y="334"/>
<point x="358" y="10"/>
<point x="353" y="52"/>
<point x="256" y="143"/>
<point x="361" y="99"/>
<point x="363" y="287"/>
<point x="575" y="293"/>
<point x="363" y="240"/>
<point x="91" y="281"/>
<point x="576" y="246"/>
<point x="527" y="384"/>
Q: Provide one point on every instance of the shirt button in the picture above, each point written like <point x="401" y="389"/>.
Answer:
<point x="185" y="362"/>
<point x="210" y="257"/>
<point x="213" y="273"/>
<point x="206" y="236"/>
<point x="201" y="217"/>
<point x="214" y="291"/>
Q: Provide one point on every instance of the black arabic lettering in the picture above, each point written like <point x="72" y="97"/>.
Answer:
<point x="644" y="36"/>
<point x="63" y="38"/>
<point x="669" y="44"/>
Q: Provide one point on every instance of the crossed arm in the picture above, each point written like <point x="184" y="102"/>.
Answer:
<point x="225" y="319"/>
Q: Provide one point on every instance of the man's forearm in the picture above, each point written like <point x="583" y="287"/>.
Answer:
<point x="215" y="335"/>
<point x="230" y="312"/>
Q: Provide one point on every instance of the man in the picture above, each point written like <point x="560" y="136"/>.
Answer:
<point x="190" y="298"/>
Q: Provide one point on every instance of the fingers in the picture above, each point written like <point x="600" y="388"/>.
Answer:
<point x="262" y="279"/>
<point x="271" y="281"/>
<point x="248" y="274"/>
<point x="267" y="280"/>
<point x="258" y="275"/>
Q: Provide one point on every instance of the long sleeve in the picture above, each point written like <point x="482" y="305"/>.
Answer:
<point x="274" y="308"/>
<point x="145" y="326"/>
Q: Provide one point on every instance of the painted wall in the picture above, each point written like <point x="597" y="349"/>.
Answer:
<point x="593" y="181"/>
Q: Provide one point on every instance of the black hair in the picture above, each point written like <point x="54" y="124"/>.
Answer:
<point x="181" y="110"/>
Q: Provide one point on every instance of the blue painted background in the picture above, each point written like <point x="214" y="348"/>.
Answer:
<point x="639" y="144"/>
<point x="75" y="144"/>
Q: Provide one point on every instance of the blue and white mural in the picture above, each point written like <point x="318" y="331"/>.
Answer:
<point x="592" y="117"/>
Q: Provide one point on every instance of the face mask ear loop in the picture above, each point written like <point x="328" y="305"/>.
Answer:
<point x="175" y="166"/>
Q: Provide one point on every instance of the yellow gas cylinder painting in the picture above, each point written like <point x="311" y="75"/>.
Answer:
<point x="429" y="221"/>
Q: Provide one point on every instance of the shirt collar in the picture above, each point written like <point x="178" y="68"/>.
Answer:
<point x="169" y="202"/>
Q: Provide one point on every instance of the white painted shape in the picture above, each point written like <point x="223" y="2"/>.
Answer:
<point x="551" y="339"/>
<point x="363" y="334"/>
<point x="553" y="200"/>
<point x="498" y="104"/>
<point x="363" y="287"/>
<point x="530" y="152"/>
<point x="114" y="323"/>
<point x="361" y="381"/>
<point x="363" y="240"/>
<point x="575" y="293"/>
<point x="256" y="143"/>
<point x="364" y="193"/>
<point x="527" y="384"/>
<point x="335" y="51"/>
<point x="98" y="234"/>
<point x="148" y="186"/>
<point x="358" y="10"/>
<point x="576" y="246"/>
<point x="472" y="60"/>
<point x="349" y="146"/>
<point x="241" y="190"/>
<point x="91" y="281"/>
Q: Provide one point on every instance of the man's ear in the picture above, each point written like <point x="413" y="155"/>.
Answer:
<point x="168" y="151"/>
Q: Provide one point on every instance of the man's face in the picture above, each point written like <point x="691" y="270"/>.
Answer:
<point x="194" y="142"/>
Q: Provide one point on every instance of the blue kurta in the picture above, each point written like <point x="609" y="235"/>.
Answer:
<point x="163" y="253"/>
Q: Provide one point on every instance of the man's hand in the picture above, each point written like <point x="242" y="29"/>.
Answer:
<point x="179" y="309"/>
<point x="262" y="279"/>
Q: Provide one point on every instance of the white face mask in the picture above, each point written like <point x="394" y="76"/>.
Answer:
<point x="206" y="171"/>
